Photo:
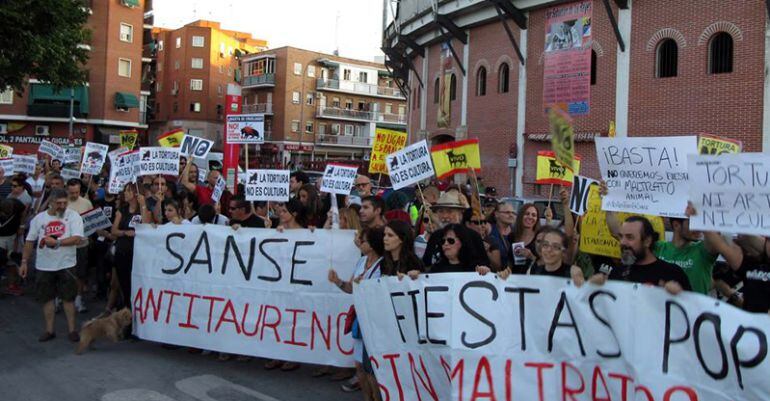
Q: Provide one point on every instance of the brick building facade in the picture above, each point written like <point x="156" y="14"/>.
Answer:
<point x="627" y="87"/>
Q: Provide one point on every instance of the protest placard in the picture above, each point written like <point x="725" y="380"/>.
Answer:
<point x="595" y="236"/>
<point x="249" y="292"/>
<point x="578" y="200"/>
<point x="158" y="160"/>
<point x="72" y="154"/>
<point x="69" y="173"/>
<point x="456" y="336"/>
<point x="51" y="149"/>
<point x="24" y="164"/>
<point x="410" y="165"/>
<point x="562" y="136"/>
<point x="338" y="179"/>
<point x="245" y="128"/>
<point x="5" y="151"/>
<point x="128" y="138"/>
<point x="267" y="185"/>
<point x="95" y="219"/>
<point x="7" y="165"/>
<point x="717" y="145"/>
<point x="93" y="158"/>
<point x="124" y="169"/>
<point x="386" y="141"/>
<point x="195" y="146"/>
<point x="219" y="189"/>
<point x="730" y="193"/>
<point x="646" y="174"/>
<point x="551" y="171"/>
<point x="456" y="157"/>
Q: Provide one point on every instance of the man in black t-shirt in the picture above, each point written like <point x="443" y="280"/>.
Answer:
<point x="241" y="215"/>
<point x="639" y="263"/>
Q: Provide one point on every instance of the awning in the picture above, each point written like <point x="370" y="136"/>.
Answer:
<point x="46" y="94"/>
<point x="130" y="3"/>
<point x="125" y="100"/>
<point x="328" y="63"/>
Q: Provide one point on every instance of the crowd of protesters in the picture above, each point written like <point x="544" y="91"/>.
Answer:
<point x="450" y="228"/>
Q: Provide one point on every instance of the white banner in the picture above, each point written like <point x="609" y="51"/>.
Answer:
<point x="6" y="166"/>
<point x="69" y="173"/>
<point x="578" y="200"/>
<point x="248" y="291"/>
<point x="410" y="165"/>
<point x="124" y="168"/>
<point x="219" y="189"/>
<point x="95" y="219"/>
<point x="72" y="154"/>
<point x="93" y="158"/>
<point x="267" y="185"/>
<point x="730" y="193"/>
<point x="156" y="160"/>
<point x="338" y="179"/>
<point x="51" y="149"/>
<point x="465" y="337"/>
<point x="245" y="128"/>
<point x="195" y="146"/>
<point x="24" y="164"/>
<point x="646" y="174"/>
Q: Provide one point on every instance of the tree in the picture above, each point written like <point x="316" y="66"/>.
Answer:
<point x="40" y="39"/>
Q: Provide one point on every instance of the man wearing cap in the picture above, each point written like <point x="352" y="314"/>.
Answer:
<point x="449" y="210"/>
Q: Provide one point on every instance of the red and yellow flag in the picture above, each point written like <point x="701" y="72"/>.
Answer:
<point x="456" y="157"/>
<point x="550" y="171"/>
<point x="171" y="139"/>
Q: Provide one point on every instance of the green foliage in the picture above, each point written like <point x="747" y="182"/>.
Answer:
<point x="40" y="38"/>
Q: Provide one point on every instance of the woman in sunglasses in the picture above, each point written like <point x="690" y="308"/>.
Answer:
<point x="457" y="254"/>
<point x="551" y="251"/>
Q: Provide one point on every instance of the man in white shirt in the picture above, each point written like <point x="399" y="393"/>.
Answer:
<point x="80" y="205"/>
<point x="55" y="233"/>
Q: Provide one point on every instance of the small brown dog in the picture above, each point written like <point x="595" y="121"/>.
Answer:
<point x="110" y="327"/>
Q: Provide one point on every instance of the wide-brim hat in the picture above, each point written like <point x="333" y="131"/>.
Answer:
<point x="450" y="200"/>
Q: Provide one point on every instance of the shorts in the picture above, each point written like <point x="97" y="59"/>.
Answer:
<point x="81" y="267"/>
<point x="7" y="245"/>
<point x="61" y="283"/>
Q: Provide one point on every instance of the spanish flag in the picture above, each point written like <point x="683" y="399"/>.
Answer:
<point x="456" y="157"/>
<point x="171" y="139"/>
<point x="550" y="171"/>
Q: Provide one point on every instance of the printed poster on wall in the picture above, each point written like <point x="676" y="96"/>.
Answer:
<point x="567" y="59"/>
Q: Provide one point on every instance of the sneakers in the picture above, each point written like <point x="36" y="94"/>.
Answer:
<point x="351" y="385"/>
<point x="80" y="306"/>
<point x="74" y="337"/>
<point x="46" y="337"/>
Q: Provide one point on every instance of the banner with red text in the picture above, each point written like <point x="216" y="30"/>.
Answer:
<point x="249" y="291"/>
<point x="465" y="337"/>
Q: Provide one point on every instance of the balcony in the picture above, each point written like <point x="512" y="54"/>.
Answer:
<point x="149" y="51"/>
<point x="346" y="114"/>
<point x="257" y="81"/>
<point x="343" y="140"/>
<point x="266" y="108"/>
<point x="358" y="88"/>
<point x="396" y="119"/>
<point x="60" y="110"/>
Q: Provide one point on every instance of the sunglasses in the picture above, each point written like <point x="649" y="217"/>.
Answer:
<point x="450" y="240"/>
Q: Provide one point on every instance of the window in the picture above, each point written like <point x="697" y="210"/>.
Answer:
<point x="176" y="64"/>
<point x="321" y="129"/>
<point x="362" y="106"/>
<point x="481" y="82"/>
<point x="126" y="33"/>
<point x="362" y="77"/>
<point x="295" y="97"/>
<point x="349" y="129"/>
<point x="6" y="96"/>
<point x="160" y="45"/>
<point x="178" y="42"/>
<point x="196" y="84"/>
<point x="593" y="67"/>
<point x="721" y="54"/>
<point x="175" y="107"/>
<point x="335" y="129"/>
<point x="308" y="127"/>
<point x="346" y="74"/>
<point x="195" y="107"/>
<point x="175" y="88"/>
<point x="261" y="67"/>
<point x="436" y="90"/>
<point x="124" y="67"/>
<point x="221" y="49"/>
<point x="401" y="109"/>
<point x="388" y="108"/>
<point x="197" y="41"/>
<point x="452" y="87"/>
<point x="349" y="104"/>
<point x="294" y="125"/>
<point x="668" y="55"/>
<point x="197" y="63"/>
<point x="503" y="78"/>
<point x="160" y="66"/>
<point x="311" y="71"/>
<point x="336" y="102"/>
<point x="158" y="87"/>
<point x="309" y="98"/>
<point x="297" y="68"/>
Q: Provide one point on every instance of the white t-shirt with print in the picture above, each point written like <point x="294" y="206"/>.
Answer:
<point x="70" y="225"/>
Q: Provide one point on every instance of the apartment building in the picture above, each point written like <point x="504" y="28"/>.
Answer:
<point x="193" y="65"/>
<point x="111" y="100"/>
<point x="318" y="106"/>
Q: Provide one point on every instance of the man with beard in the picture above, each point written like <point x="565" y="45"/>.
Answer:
<point x="638" y="261"/>
<point x="372" y="212"/>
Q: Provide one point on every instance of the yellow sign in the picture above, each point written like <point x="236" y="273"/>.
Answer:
<point x="456" y="157"/>
<point x="611" y="132"/>
<point x="550" y="171"/>
<point x="595" y="237"/>
<point x="386" y="141"/>
<point x="562" y="137"/>
<point x="714" y="145"/>
<point x="171" y="139"/>
<point x="128" y="139"/>
<point x="5" y="151"/>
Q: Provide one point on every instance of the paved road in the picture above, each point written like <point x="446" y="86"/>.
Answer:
<point x="133" y="371"/>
